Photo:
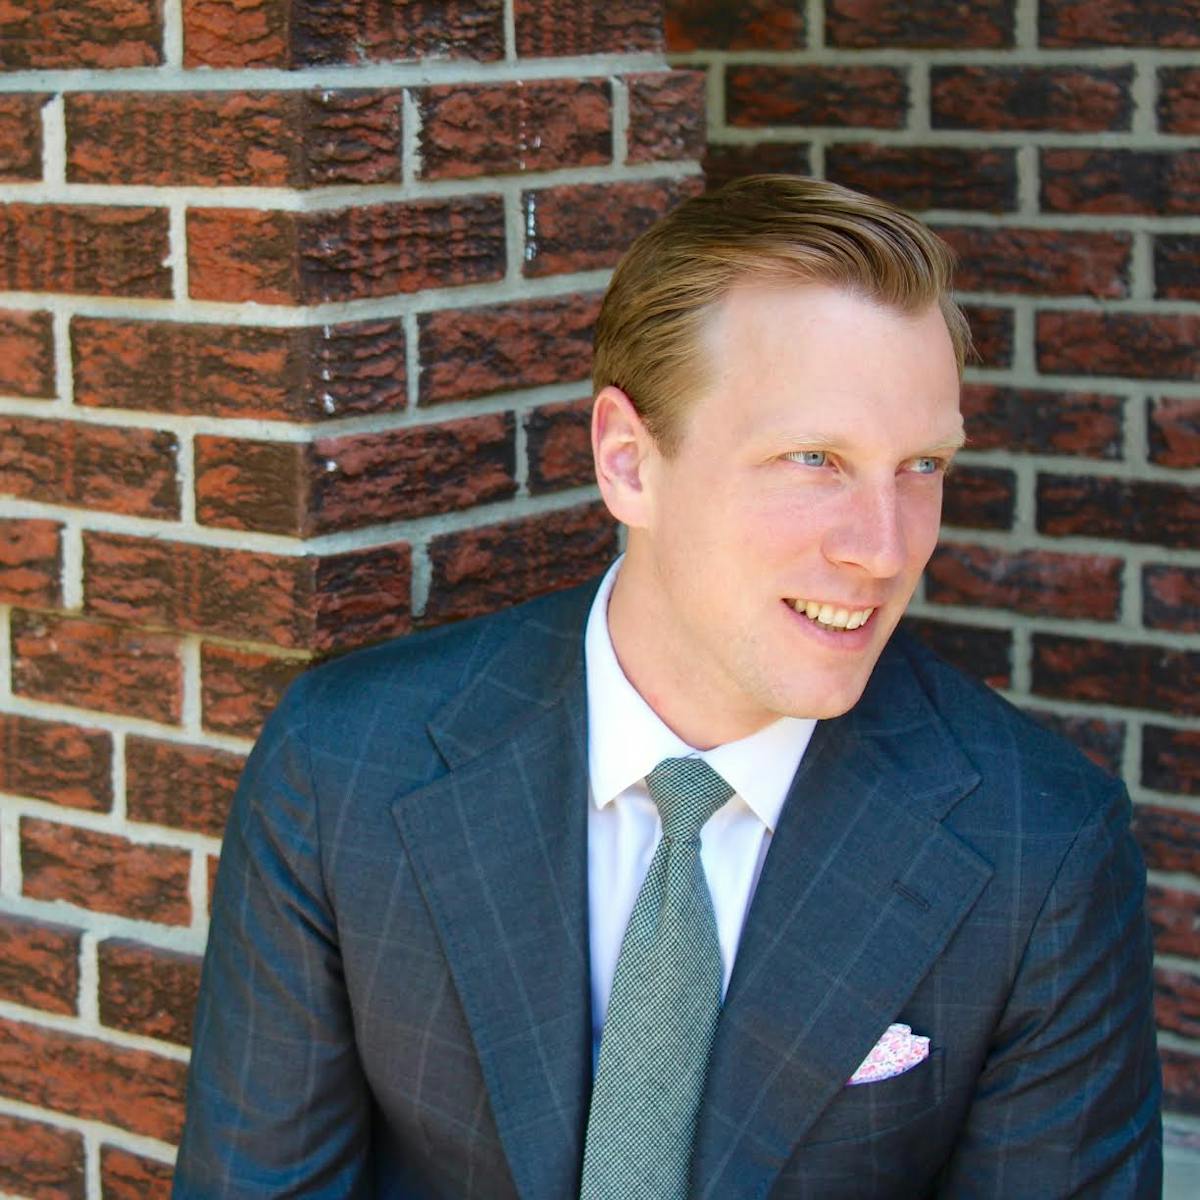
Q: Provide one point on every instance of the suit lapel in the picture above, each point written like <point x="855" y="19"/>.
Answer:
<point x="498" y="847"/>
<point x="861" y="890"/>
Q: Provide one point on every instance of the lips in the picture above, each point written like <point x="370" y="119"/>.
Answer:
<point x="832" y="616"/>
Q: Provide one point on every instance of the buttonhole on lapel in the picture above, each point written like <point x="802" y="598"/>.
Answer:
<point x="911" y="896"/>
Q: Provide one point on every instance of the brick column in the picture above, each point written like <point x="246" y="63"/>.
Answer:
<point x="294" y="342"/>
<point x="1056" y="146"/>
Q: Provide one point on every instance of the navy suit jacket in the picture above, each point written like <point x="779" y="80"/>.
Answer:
<point x="395" y="999"/>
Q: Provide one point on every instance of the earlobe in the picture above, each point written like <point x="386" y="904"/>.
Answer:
<point x="621" y="445"/>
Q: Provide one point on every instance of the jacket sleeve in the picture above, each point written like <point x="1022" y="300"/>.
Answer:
<point x="1068" y="1102"/>
<point x="276" y="1101"/>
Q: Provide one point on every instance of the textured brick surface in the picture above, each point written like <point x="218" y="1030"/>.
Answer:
<point x="1181" y="1081"/>
<point x="1037" y="582"/>
<point x="503" y="128"/>
<point x="1071" y="99"/>
<point x="229" y="33"/>
<point x="1171" y="763"/>
<point x="919" y="177"/>
<point x="232" y="139"/>
<point x="84" y="248"/>
<point x="480" y="570"/>
<point x="1164" y="514"/>
<point x="666" y="116"/>
<point x="1171" y="597"/>
<point x="146" y="990"/>
<point x="1121" y="181"/>
<point x="1177" y="1002"/>
<point x="1045" y="262"/>
<point x="1043" y="422"/>
<point x="1177" y="267"/>
<point x="20" y="136"/>
<point x="80" y="33"/>
<point x="980" y="498"/>
<point x="94" y="665"/>
<point x="93" y="466"/>
<point x="30" y="561"/>
<point x="866" y="23"/>
<point x="801" y="95"/>
<point x="1169" y="837"/>
<point x="562" y="28"/>
<point x="472" y="352"/>
<point x="1107" y="672"/>
<point x="39" y="964"/>
<point x="992" y="333"/>
<point x="1174" y="919"/>
<point x="725" y="162"/>
<point x="984" y="653"/>
<point x="748" y="25"/>
<point x="53" y="761"/>
<point x="41" y="1162"/>
<point x="1134" y="345"/>
<point x="304" y="374"/>
<point x="180" y="786"/>
<point x="1102" y="741"/>
<point x="238" y="688"/>
<point x="26" y="354"/>
<point x="559" y="444"/>
<point x="1179" y="100"/>
<point x="1118" y="23"/>
<point x="88" y="1078"/>
<point x="126" y="1176"/>
<point x="588" y="226"/>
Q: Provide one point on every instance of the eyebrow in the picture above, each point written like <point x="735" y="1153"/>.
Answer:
<point x="954" y="441"/>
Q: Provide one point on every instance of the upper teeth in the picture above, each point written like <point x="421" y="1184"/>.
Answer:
<point x="826" y="614"/>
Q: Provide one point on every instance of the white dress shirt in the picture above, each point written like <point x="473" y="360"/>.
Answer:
<point x="627" y="740"/>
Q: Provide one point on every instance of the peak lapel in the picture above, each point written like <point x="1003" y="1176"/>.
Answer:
<point x="861" y="890"/>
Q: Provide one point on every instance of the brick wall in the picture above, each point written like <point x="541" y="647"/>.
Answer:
<point x="294" y="340"/>
<point x="1056" y="146"/>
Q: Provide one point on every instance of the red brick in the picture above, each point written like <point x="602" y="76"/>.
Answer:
<point x="214" y="861"/>
<point x="1179" y="99"/>
<point x="588" y="226"/>
<point x="1033" y="421"/>
<point x="84" y="248"/>
<point x="1171" y="597"/>
<point x="1118" y="23"/>
<point x="717" y="25"/>
<point x="105" y="873"/>
<point x="471" y="352"/>
<point x="1102" y="741"/>
<point x="725" y="162"/>
<point x="565" y="28"/>
<point x="92" y="1080"/>
<point x="39" y="964"/>
<point x="146" y="990"/>
<point x="1169" y="837"/>
<point x="481" y="570"/>
<point x="40" y="1161"/>
<point x="1181" y="1081"/>
<point x="1171" y="763"/>
<point x="60" y="763"/>
<point x="984" y="653"/>
<point x="92" y="665"/>
<point x="123" y="470"/>
<point x="80" y="33"/>
<point x="305" y="374"/>
<point x="291" y="601"/>
<point x="1044" y="262"/>
<point x="876" y="97"/>
<point x="20" y="136"/>
<point x="991" y="333"/>
<point x="1174" y="919"/>
<point x="344" y="254"/>
<point x="666" y="116"/>
<point x="1154" y="182"/>
<point x="1164" y="514"/>
<point x="296" y="33"/>
<point x="505" y="128"/>
<point x="1133" y="345"/>
<point x="1037" y="582"/>
<point x="26" y="354"/>
<point x="1177" y="1004"/>
<point x="30" y="562"/>
<point x="559" y="443"/>
<point x="182" y="787"/>
<point x="980" y="498"/>
<point x="1071" y="99"/>
<point x="1122" y="673"/>
<point x="1177" y="267"/>
<point x="126" y="1176"/>
<point x="239" y="688"/>
<point x="234" y="139"/>
<point x="865" y="23"/>
<point x="919" y="177"/>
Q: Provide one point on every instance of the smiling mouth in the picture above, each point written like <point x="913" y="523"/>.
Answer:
<point x="829" y="617"/>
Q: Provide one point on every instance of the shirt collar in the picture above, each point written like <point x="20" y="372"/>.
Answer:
<point x="627" y="739"/>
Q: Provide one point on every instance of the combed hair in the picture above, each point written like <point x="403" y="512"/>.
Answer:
<point x="764" y="228"/>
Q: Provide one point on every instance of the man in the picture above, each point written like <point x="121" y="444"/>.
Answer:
<point x="702" y="881"/>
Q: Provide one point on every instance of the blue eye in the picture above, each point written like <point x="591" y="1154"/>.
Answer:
<point x="927" y="465"/>
<point x="810" y="458"/>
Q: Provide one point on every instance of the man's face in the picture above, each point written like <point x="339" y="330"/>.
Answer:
<point x="809" y="477"/>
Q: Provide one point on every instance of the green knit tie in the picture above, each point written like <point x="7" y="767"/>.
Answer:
<point x="666" y="998"/>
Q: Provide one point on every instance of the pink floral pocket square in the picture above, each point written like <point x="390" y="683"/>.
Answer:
<point x="896" y="1052"/>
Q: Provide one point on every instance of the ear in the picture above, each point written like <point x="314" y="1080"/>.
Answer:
<point x="622" y="448"/>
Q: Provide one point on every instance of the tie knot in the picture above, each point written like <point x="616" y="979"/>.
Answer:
<point x="687" y="792"/>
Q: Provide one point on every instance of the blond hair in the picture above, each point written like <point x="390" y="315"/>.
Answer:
<point x="768" y="228"/>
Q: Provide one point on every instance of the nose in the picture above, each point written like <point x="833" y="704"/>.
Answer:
<point x="869" y="533"/>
